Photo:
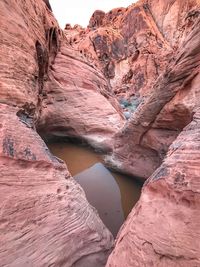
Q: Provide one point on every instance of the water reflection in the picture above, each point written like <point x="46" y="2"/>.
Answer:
<point x="103" y="193"/>
<point x="112" y="194"/>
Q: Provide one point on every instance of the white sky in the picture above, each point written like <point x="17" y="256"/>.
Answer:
<point x="80" y="11"/>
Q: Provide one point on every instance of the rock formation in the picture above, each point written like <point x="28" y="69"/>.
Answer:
<point x="45" y="218"/>
<point x="133" y="45"/>
<point x="165" y="111"/>
<point x="48" y="4"/>
<point x="161" y="139"/>
<point x="136" y="48"/>
<point x="66" y="84"/>
<point x="124" y="44"/>
<point x="163" y="229"/>
<point x="78" y="102"/>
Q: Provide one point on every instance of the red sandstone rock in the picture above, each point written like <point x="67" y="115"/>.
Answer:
<point x="133" y="45"/>
<point x="96" y="19"/>
<point x="163" y="229"/>
<point x="45" y="84"/>
<point x="78" y="104"/>
<point x="169" y="107"/>
<point x="45" y="219"/>
<point x="48" y="4"/>
<point x="125" y="46"/>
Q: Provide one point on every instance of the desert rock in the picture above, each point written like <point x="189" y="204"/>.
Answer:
<point x="45" y="217"/>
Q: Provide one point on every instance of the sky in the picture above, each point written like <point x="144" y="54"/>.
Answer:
<point x="80" y="11"/>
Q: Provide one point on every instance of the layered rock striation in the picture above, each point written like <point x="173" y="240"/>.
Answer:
<point x="136" y="49"/>
<point x="162" y="116"/>
<point x="163" y="228"/>
<point x="132" y="46"/>
<point x="64" y="84"/>
<point x="161" y="138"/>
<point x="45" y="217"/>
<point x="79" y="103"/>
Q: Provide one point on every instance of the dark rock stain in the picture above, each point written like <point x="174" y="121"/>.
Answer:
<point x="28" y="154"/>
<point x="8" y="147"/>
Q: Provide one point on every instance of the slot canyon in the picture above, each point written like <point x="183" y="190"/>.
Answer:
<point x="100" y="136"/>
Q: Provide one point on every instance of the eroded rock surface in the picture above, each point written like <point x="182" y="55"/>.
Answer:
<point x="163" y="229"/>
<point x="78" y="103"/>
<point x="133" y="45"/>
<point x="163" y="114"/>
<point x="63" y="84"/>
<point x="45" y="219"/>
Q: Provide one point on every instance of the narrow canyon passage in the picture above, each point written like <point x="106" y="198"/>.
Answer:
<point x="127" y="85"/>
<point x="111" y="193"/>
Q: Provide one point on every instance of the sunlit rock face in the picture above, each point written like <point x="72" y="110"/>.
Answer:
<point x="45" y="217"/>
<point x="132" y="46"/>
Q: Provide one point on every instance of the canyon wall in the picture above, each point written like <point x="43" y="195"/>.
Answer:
<point x="45" y="217"/>
<point x="161" y="139"/>
<point x="169" y="105"/>
<point x="132" y="46"/>
<point x="163" y="228"/>
<point x="135" y="48"/>
<point x="78" y="102"/>
<point x="66" y="84"/>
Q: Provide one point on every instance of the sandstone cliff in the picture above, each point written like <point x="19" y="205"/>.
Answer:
<point x="45" y="218"/>
<point x="66" y="84"/>
<point x="151" y="51"/>
<point x="133" y="45"/>
<point x="163" y="229"/>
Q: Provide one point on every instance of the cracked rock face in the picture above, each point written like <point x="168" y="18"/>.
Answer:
<point x="132" y="46"/>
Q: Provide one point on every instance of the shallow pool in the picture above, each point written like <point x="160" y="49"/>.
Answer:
<point x="111" y="193"/>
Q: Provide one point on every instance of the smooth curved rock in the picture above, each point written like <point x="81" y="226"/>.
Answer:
<point x="45" y="219"/>
<point x="78" y="103"/>
<point x="151" y="118"/>
<point x="163" y="229"/>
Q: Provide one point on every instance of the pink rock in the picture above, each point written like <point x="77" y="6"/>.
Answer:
<point x="163" y="229"/>
<point x="78" y="103"/>
<point x="45" y="218"/>
<point x="169" y="106"/>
